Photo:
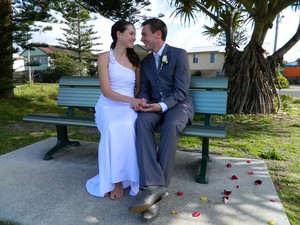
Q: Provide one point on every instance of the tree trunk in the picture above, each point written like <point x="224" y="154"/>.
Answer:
<point x="251" y="81"/>
<point x="6" y="50"/>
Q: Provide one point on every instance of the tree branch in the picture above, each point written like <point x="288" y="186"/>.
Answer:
<point x="288" y="45"/>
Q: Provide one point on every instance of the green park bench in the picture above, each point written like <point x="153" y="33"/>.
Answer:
<point x="209" y="97"/>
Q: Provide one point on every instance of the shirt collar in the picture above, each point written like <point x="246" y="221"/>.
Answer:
<point x="160" y="51"/>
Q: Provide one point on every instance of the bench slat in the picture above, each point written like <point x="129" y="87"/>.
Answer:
<point x="209" y="82"/>
<point x="205" y="131"/>
<point x="60" y="119"/>
<point x="79" y="81"/>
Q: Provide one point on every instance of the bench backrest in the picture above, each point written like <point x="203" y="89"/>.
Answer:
<point x="78" y="91"/>
<point x="209" y="94"/>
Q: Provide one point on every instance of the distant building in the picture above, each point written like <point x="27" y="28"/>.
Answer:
<point x="19" y="68"/>
<point x="41" y="56"/>
<point x="206" y="61"/>
<point x="209" y="60"/>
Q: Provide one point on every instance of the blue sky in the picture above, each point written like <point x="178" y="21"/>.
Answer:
<point x="187" y="36"/>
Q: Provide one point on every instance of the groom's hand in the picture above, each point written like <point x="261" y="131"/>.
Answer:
<point x="152" y="107"/>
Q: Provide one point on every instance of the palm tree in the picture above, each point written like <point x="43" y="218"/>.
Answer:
<point x="251" y="74"/>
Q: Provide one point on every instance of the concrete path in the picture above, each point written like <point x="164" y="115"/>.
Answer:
<point x="38" y="192"/>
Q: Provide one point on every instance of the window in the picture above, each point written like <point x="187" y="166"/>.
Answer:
<point x="43" y="60"/>
<point x="195" y="58"/>
<point x="213" y="58"/>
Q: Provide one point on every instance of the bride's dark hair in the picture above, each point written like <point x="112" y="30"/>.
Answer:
<point x="121" y="26"/>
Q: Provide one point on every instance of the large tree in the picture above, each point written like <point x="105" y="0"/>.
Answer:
<point x="79" y="34"/>
<point x="251" y="74"/>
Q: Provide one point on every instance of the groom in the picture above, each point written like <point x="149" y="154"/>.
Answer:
<point x="167" y="104"/>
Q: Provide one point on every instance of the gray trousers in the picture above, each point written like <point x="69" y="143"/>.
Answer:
<point x="156" y="160"/>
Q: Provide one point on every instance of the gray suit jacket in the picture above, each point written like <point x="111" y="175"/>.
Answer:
<point x="170" y="82"/>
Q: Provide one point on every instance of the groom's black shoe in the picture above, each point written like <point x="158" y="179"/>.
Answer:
<point x="152" y="212"/>
<point x="148" y="196"/>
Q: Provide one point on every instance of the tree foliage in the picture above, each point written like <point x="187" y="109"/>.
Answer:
<point x="16" y="25"/>
<point x="62" y="64"/>
<point x="116" y="9"/>
<point x="251" y="74"/>
<point x="18" y="20"/>
<point x="78" y="34"/>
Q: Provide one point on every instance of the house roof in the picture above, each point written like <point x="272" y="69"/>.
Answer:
<point x="203" y="49"/>
<point x="50" y="49"/>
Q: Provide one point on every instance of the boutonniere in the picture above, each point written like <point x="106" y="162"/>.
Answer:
<point x="164" y="61"/>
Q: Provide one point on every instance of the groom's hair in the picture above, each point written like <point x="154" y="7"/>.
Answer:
<point x="157" y="24"/>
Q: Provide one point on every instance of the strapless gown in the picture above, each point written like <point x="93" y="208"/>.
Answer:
<point x="117" y="160"/>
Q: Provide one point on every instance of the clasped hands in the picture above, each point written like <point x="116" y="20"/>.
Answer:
<point x="143" y="106"/>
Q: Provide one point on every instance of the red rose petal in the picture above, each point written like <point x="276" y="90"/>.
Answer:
<point x="229" y="165"/>
<point x="227" y="192"/>
<point x="248" y="161"/>
<point x="179" y="193"/>
<point x="234" y="177"/>
<point x="258" y="182"/>
<point x="196" y="214"/>
<point x="250" y="172"/>
<point x="272" y="200"/>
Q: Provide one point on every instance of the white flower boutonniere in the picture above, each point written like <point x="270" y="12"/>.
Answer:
<point x="164" y="61"/>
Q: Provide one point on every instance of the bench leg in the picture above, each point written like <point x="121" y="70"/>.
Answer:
<point x="62" y="141"/>
<point x="205" y="157"/>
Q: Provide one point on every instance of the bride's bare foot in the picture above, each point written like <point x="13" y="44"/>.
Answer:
<point x="117" y="192"/>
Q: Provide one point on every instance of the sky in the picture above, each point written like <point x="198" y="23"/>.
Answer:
<point x="186" y="36"/>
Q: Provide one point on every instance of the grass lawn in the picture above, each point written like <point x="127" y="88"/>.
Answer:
<point x="273" y="138"/>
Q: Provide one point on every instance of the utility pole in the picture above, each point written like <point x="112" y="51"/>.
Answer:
<point x="278" y="19"/>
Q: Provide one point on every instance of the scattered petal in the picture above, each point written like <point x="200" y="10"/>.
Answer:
<point x="248" y="161"/>
<point x="180" y="193"/>
<point x="196" y="214"/>
<point x="271" y="222"/>
<point x="175" y="212"/>
<point x="237" y="186"/>
<point x="250" y="172"/>
<point x="234" y="177"/>
<point x="203" y="198"/>
<point x="226" y="200"/>
<point x="229" y="165"/>
<point x="272" y="200"/>
<point x="258" y="182"/>
<point x="227" y="192"/>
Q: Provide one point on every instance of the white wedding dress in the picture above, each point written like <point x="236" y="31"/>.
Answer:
<point x="117" y="160"/>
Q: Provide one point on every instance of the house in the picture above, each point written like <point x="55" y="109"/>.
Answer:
<point x="39" y="57"/>
<point x="206" y="61"/>
<point x="18" y="66"/>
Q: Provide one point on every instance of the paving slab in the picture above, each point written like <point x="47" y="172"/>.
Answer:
<point x="38" y="192"/>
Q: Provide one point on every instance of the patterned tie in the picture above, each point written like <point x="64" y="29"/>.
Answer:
<point x="157" y="57"/>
